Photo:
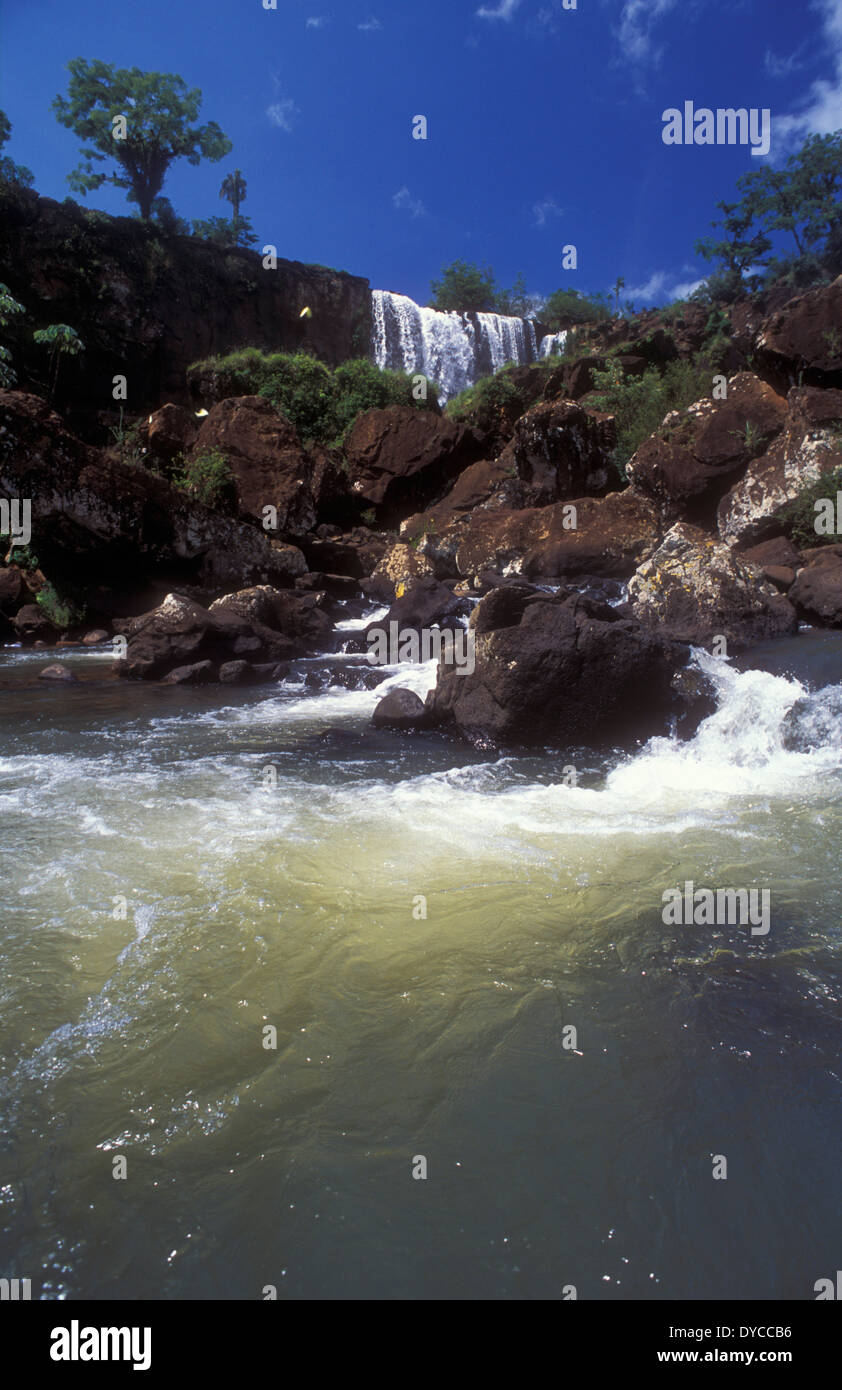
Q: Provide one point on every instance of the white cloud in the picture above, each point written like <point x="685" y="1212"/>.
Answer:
<point x="403" y="201"/>
<point x="504" y="10"/>
<point x="370" y="25"/>
<point x="821" y="109"/>
<point x="661" y="287"/>
<point x="283" y="113"/>
<point x="544" y="210"/>
<point x="782" y="67"/>
<point x="634" y="33"/>
<point x="316" y="22"/>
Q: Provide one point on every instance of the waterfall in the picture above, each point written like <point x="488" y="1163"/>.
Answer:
<point x="452" y="349"/>
<point x="553" y="344"/>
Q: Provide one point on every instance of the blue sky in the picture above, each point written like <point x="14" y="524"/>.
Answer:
<point x="544" y="122"/>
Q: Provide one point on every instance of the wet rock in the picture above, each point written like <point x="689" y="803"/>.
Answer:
<point x="817" y="592"/>
<point x="258" y="625"/>
<point x="199" y="673"/>
<point x="558" y="670"/>
<point x="400" y="709"/>
<point x="93" y="639"/>
<point x="58" y="673"/>
<point x="33" y="628"/>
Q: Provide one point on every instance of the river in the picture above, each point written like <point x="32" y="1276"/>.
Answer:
<point x="184" y="869"/>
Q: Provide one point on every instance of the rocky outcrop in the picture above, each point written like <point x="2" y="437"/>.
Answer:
<point x="258" y="625"/>
<point x="558" y="670"/>
<point x="602" y="535"/>
<point x="695" y="588"/>
<point x="265" y="455"/>
<point x="354" y="553"/>
<point x="558" y="451"/>
<point x="817" y="591"/>
<point x="801" y="343"/>
<point x="809" y="445"/>
<point x="148" y="304"/>
<point x="170" y="431"/>
<point x="689" y="463"/>
<point x="103" y="523"/>
<point x="402" y="565"/>
<point x="399" y="458"/>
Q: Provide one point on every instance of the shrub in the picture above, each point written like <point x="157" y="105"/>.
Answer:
<point x="62" y="610"/>
<point x="640" y="403"/>
<point x="798" y="517"/>
<point x="320" y="403"/>
<point x="565" y="308"/>
<point x="208" y="478"/>
<point x="485" y="401"/>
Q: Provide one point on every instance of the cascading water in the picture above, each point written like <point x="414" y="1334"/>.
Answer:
<point x="553" y="344"/>
<point x="452" y="349"/>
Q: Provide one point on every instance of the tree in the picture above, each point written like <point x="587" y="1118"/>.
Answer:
<point x="143" y="121"/>
<point x="741" y="251"/>
<point x="566" y="308"/>
<point x="619" y="284"/>
<point x="517" y="301"/>
<point x="8" y="308"/>
<point x="62" y="341"/>
<point x="10" y="172"/>
<point x="234" y="189"/>
<point x="223" y="232"/>
<point x="465" y="287"/>
<point x="801" y="200"/>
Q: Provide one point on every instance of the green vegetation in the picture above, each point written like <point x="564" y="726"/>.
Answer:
<point x="798" y="517"/>
<point x="17" y="175"/>
<point x="803" y="199"/>
<point x="9" y="307"/>
<point x="207" y="476"/>
<point x="320" y="403"/>
<point x="143" y="121"/>
<point x="640" y="403"/>
<point x="465" y="288"/>
<point x="24" y="557"/>
<point x="566" y="308"/>
<point x="487" y="400"/>
<point x="62" y="341"/>
<point x="63" y="610"/>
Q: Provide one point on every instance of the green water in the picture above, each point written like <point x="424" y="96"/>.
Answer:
<point x="298" y="905"/>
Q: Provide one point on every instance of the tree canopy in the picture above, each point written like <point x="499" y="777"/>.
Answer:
<point x="801" y="200"/>
<point x="10" y="172"/>
<point x="143" y="121"/>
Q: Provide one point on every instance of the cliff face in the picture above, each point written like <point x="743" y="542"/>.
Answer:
<point x="147" y="304"/>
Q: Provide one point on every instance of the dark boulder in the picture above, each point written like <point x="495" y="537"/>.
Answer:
<point x="558" y="670"/>
<point x="400" y="709"/>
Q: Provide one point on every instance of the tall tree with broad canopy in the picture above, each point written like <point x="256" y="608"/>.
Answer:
<point x="157" y="127"/>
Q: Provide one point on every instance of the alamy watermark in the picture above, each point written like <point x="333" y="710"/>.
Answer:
<point x="720" y="907"/>
<point x="726" y="125"/>
<point x="16" y="520"/>
<point x="457" y="649"/>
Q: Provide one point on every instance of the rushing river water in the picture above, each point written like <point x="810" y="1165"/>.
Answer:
<point x="297" y="905"/>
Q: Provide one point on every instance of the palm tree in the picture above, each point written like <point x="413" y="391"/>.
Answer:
<point x="234" y="189"/>
<point x="620" y="285"/>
